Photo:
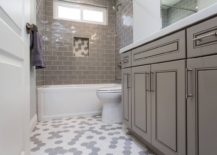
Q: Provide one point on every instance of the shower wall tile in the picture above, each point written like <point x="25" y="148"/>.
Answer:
<point x="62" y="66"/>
<point x="124" y="30"/>
<point x="102" y="66"/>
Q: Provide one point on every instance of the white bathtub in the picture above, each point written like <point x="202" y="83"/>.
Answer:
<point x="57" y="101"/>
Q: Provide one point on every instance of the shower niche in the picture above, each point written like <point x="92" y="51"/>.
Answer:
<point x="81" y="46"/>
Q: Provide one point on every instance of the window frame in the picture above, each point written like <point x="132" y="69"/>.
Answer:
<point x="82" y="7"/>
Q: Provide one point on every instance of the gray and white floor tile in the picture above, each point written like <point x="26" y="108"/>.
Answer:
<point x="83" y="136"/>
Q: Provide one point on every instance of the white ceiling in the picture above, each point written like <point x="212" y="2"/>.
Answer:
<point x="169" y="2"/>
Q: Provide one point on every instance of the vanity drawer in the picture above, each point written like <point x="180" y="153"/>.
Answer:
<point x="168" y="48"/>
<point x="202" y="38"/>
<point x="126" y="59"/>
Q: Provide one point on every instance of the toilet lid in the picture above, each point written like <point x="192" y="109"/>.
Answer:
<point x="116" y="89"/>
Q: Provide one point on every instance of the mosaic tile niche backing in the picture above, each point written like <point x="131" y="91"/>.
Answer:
<point x="81" y="47"/>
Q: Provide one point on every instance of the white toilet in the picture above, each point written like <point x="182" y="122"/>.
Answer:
<point x="111" y="99"/>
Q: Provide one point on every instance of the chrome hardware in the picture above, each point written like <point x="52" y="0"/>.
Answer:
<point x="152" y="84"/>
<point x="125" y="60"/>
<point x="188" y="94"/>
<point x="147" y="84"/>
<point x="128" y="81"/>
<point x="205" y="36"/>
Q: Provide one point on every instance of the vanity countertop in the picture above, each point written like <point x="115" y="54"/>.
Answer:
<point x="199" y="16"/>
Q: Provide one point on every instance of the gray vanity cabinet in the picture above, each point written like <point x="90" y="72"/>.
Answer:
<point x="141" y="102"/>
<point x="202" y="106"/>
<point x="126" y="97"/>
<point x="174" y="95"/>
<point x="168" y="107"/>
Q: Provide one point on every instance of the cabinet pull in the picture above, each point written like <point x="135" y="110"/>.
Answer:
<point x="128" y="81"/>
<point x="148" y="89"/>
<point x="126" y="60"/>
<point x="152" y="84"/>
<point x="189" y="94"/>
<point x="205" y="36"/>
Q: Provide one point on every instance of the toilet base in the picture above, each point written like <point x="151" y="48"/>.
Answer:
<point x="112" y="113"/>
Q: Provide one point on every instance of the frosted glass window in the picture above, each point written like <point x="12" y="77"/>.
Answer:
<point x="80" y="12"/>
<point x="69" y="13"/>
<point x="91" y="15"/>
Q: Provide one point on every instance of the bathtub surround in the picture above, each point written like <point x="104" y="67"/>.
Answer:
<point x="62" y="66"/>
<point x="99" y="66"/>
<point x="124" y="29"/>
<point x="83" y="136"/>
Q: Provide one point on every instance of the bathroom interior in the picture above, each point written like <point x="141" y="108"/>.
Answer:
<point x="108" y="77"/>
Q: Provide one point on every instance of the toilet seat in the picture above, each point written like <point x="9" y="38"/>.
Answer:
<point x="116" y="89"/>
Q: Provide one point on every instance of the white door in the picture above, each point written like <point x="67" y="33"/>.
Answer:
<point x="14" y="77"/>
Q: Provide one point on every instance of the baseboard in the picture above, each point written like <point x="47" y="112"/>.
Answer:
<point x="33" y="122"/>
<point x="50" y="117"/>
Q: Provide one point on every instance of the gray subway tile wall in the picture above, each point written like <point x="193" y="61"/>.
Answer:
<point x="124" y="30"/>
<point x="101" y="66"/>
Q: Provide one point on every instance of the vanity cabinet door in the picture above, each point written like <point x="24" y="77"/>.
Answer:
<point x="126" y="97"/>
<point x="141" y="102"/>
<point x="168" y="107"/>
<point x="202" y="106"/>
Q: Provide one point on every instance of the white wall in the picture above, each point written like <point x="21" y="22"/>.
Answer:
<point x="205" y="3"/>
<point x="147" y="18"/>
